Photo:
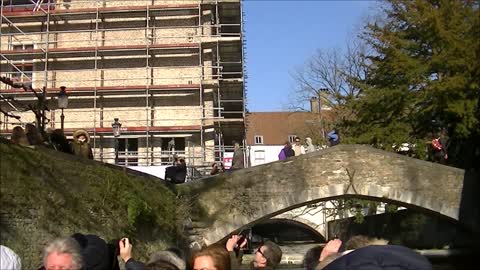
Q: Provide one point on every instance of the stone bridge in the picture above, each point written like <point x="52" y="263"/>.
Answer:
<point x="227" y="202"/>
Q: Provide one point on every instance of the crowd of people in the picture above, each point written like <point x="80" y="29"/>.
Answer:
<point x="297" y="148"/>
<point x="90" y="252"/>
<point x="361" y="252"/>
<point x="54" y="139"/>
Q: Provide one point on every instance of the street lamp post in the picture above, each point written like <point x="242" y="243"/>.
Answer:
<point x="62" y="103"/>
<point x="116" y="133"/>
<point x="320" y="111"/>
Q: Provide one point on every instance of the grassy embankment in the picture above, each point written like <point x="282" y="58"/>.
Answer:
<point x="46" y="194"/>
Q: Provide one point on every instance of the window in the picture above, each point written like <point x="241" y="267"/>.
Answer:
<point x="291" y="138"/>
<point x="128" y="151"/>
<point x="258" y="139"/>
<point x="21" y="47"/>
<point x="22" y="69"/>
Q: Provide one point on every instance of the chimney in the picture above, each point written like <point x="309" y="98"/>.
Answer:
<point x="314" y="105"/>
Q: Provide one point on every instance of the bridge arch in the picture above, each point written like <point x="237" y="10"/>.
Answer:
<point x="229" y="201"/>
<point x="282" y="228"/>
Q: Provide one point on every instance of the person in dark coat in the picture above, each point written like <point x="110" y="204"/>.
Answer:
<point x="386" y="257"/>
<point x="126" y="255"/>
<point x="334" y="137"/>
<point x="440" y="147"/>
<point x="181" y="171"/>
<point x="57" y="140"/>
<point x="217" y="168"/>
<point x="96" y="253"/>
<point x="33" y="135"/>
<point x="286" y="152"/>
<point x="170" y="259"/>
<point x="81" y="144"/>
<point x="19" y="136"/>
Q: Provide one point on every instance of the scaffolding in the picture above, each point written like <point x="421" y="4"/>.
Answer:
<point x="131" y="58"/>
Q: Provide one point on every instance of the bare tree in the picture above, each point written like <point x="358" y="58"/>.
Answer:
<point x="38" y="109"/>
<point x="335" y="72"/>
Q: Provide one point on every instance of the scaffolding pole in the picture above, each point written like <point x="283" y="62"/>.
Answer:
<point x="132" y="50"/>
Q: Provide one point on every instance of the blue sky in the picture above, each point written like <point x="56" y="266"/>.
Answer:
<point x="281" y="35"/>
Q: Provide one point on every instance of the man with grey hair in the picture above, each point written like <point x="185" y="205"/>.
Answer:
<point x="170" y="256"/>
<point x="62" y="253"/>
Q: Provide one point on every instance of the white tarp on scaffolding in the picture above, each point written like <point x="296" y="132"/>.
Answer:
<point x="157" y="171"/>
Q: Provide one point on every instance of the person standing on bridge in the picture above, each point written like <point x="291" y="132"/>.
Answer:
<point x="333" y="137"/>
<point x="440" y="147"/>
<point x="238" y="157"/>
<point x="81" y="144"/>
<point x="286" y="152"/>
<point x="298" y="147"/>
<point x="310" y="146"/>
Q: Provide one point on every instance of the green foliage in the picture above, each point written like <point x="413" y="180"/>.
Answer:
<point x="423" y="76"/>
<point x="138" y="210"/>
<point x="46" y="194"/>
<point x="391" y="208"/>
<point x="357" y="208"/>
<point x="412" y="226"/>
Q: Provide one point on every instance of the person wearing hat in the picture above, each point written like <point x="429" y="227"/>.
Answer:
<point x="267" y="256"/>
<point x="81" y="144"/>
<point x="96" y="253"/>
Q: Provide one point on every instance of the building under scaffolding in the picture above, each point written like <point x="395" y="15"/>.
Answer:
<point x="170" y="70"/>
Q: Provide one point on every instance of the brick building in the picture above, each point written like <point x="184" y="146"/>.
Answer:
<point x="170" y="70"/>
<point x="267" y="132"/>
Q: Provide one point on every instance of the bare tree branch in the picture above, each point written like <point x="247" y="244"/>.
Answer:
<point x="340" y="72"/>
<point x="9" y="115"/>
<point x="40" y="109"/>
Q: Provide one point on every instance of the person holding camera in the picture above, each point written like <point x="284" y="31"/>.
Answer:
<point x="126" y="255"/>
<point x="170" y="259"/>
<point x="267" y="256"/>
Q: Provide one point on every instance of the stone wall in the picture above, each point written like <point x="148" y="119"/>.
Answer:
<point x="229" y="201"/>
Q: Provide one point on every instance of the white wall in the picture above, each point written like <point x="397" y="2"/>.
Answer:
<point x="158" y="171"/>
<point x="268" y="152"/>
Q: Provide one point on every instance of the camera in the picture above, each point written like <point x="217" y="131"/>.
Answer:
<point x="241" y="239"/>
<point x="242" y="236"/>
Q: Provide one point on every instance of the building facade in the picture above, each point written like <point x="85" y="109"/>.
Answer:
<point x="171" y="71"/>
<point x="267" y="132"/>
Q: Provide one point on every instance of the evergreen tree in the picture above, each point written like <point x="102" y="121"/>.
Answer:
<point x="423" y="77"/>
